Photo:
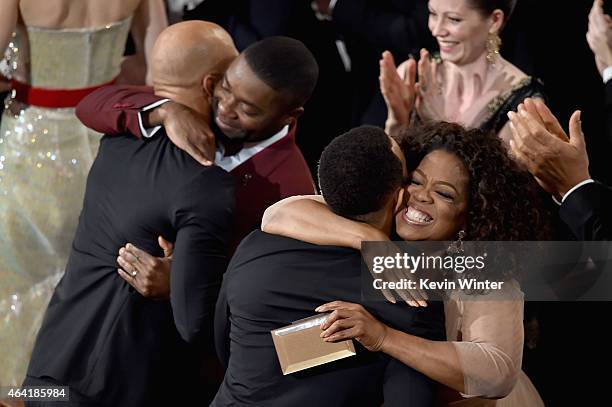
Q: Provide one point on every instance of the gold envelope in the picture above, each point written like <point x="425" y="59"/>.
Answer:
<point x="299" y="345"/>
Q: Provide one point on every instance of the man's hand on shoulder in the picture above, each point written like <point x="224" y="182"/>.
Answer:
<point x="187" y="129"/>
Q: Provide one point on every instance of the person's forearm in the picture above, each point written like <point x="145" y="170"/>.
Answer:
<point x="435" y="359"/>
<point x="307" y="218"/>
<point x="155" y="117"/>
<point x="8" y="21"/>
<point x="149" y="20"/>
<point x="115" y="110"/>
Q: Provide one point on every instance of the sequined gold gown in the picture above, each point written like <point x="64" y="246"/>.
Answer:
<point x="45" y="155"/>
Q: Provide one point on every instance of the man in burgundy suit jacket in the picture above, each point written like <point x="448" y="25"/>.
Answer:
<point x="255" y="106"/>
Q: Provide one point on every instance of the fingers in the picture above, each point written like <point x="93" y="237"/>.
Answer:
<point x="167" y="247"/>
<point x="210" y="148"/>
<point x="576" y="134"/>
<point x="192" y="138"/>
<point x="388" y="62"/>
<point x="519" y="156"/>
<point x="597" y="13"/>
<point x="338" y="325"/>
<point x="334" y="305"/>
<point x="537" y="132"/>
<point x="550" y="121"/>
<point x="387" y="66"/>
<point x="343" y="335"/>
<point x="530" y="135"/>
<point x="132" y="267"/>
<point x="411" y="71"/>
<point x="336" y="316"/>
<point x="199" y="154"/>
<point x="127" y="277"/>
<point x="424" y="70"/>
<point x="390" y="81"/>
<point x="137" y="255"/>
<point x="388" y="295"/>
<point x="434" y="73"/>
<point x="521" y="151"/>
<point x="529" y="105"/>
<point x="413" y="297"/>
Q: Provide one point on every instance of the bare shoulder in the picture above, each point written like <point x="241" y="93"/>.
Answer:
<point x="58" y="14"/>
<point x="512" y="71"/>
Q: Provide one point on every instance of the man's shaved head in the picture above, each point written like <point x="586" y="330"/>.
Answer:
<point x="186" y="52"/>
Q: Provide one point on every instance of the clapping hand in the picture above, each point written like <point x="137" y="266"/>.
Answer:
<point x="397" y="86"/>
<point x="599" y="36"/>
<point x="557" y="162"/>
<point x="430" y="102"/>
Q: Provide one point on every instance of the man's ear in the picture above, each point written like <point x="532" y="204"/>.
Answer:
<point x="209" y="82"/>
<point x="293" y="115"/>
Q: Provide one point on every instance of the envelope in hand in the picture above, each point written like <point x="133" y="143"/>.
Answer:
<point x="299" y="345"/>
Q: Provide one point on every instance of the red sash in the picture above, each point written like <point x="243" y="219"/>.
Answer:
<point x="55" y="98"/>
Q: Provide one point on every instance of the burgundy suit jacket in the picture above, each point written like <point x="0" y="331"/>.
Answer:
<point x="279" y="171"/>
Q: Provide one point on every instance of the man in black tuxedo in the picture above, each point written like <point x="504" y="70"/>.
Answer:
<point x="110" y="345"/>
<point x="273" y="281"/>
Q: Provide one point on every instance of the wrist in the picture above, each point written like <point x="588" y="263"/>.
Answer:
<point x="155" y="117"/>
<point x="571" y="187"/>
<point x="394" y="126"/>
<point x="573" y="182"/>
<point x="160" y="115"/>
<point x="387" y="339"/>
<point x="369" y="233"/>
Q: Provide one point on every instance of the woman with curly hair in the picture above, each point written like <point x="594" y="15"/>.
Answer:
<point x="464" y="185"/>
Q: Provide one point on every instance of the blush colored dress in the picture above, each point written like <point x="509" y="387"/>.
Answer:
<point x="488" y="337"/>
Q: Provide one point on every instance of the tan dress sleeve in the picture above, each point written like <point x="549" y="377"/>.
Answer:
<point x="488" y="337"/>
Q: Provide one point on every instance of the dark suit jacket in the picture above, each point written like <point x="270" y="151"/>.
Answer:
<point x="587" y="212"/>
<point x="101" y="337"/>
<point x="273" y="281"/>
<point x="277" y="172"/>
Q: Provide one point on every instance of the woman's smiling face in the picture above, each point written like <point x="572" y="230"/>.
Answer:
<point x="438" y="199"/>
<point x="461" y="31"/>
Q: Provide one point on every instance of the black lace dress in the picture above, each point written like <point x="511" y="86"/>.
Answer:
<point x="500" y="106"/>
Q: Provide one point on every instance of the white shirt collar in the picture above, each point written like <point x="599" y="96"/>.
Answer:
<point x="248" y="151"/>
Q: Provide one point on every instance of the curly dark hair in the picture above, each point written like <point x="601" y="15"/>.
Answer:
<point x="358" y="172"/>
<point x="504" y="203"/>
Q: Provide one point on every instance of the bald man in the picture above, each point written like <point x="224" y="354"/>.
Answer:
<point x="254" y="109"/>
<point x="110" y="345"/>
